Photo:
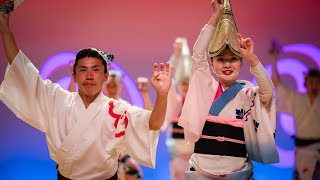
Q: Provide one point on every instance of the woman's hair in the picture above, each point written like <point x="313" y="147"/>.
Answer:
<point x="89" y="53"/>
<point x="227" y="47"/>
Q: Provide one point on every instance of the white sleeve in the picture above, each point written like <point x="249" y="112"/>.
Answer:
<point x="199" y="57"/>
<point x="285" y="99"/>
<point x="141" y="142"/>
<point x="138" y="140"/>
<point x="201" y="89"/>
<point x="25" y="93"/>
<point x="260" y="129"/>
<point x="264" y="82"/>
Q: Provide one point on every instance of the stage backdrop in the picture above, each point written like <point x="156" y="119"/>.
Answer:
<point x="140" y="33"/>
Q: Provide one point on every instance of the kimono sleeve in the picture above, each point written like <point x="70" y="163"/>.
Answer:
<point x="259" y="129"/>
<point x="201" y="89"/>
<point x="133" y="132"/>
<point x="25" y="93"/>
<point x="260" y="121"/>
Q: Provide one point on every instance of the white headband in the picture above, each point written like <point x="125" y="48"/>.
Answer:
<point x="105" y="56"/>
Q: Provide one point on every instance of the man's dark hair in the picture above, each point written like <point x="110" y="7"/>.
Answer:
<point x="89" y="53"/>
<point x="312" y="73"/>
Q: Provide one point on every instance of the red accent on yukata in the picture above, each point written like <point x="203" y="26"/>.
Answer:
<point x="117" y="135"/>
<point x="247" y="90"/>
<point x="222" y="175"/>
<point x="218" y="93"/>
<point x="305" y="170"/>
<point x="118" y="117"/>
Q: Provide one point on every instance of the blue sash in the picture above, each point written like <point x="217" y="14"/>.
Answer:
<point x="225" y="98"/>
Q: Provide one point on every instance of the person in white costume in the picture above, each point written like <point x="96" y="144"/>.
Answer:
<point x="143" y="87"/>
<point x="113" y="87"/>
<point x="179" y="149"/>
<point x="231" y="121"/>
<point x="85" y="130"/>
<point x="306" y="109"/>
<point x="128" y="169"/>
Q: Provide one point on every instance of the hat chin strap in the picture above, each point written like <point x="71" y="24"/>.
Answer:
<point x="222" y="75"/>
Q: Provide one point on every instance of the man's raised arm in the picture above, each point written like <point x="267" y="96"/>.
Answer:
<point x="9" y="43"/>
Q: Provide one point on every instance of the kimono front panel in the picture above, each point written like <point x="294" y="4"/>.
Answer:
<point x="259" y="141"/>
<point x="216" y="164"/>
<point x="116" y="129"/>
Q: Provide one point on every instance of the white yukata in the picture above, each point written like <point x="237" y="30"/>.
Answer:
<point x="307" y="123"/>
<point x="179" y="149"/>
<point x="245" y="110"/>
<point x="85" y="142"/>
<point x="127" y="165"/>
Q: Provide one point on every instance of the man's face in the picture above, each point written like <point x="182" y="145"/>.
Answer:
<point x="313" y="85"/>
<point x="114" y="87"/>
<point x="90" y="76"/>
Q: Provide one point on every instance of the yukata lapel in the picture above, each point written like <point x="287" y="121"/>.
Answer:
<point x="85" y="117"/>
<point x="224" y="99"/>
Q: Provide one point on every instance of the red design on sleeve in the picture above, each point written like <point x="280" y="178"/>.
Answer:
<point x="247" y="90"/>
<point x="117" y="119"/>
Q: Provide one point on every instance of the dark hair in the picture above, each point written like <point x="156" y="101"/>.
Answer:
<point x="89" y="53"/>
<point x="211" y="58"/>
<point x="227" y="47"/>
<point x="312" y="73"/>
